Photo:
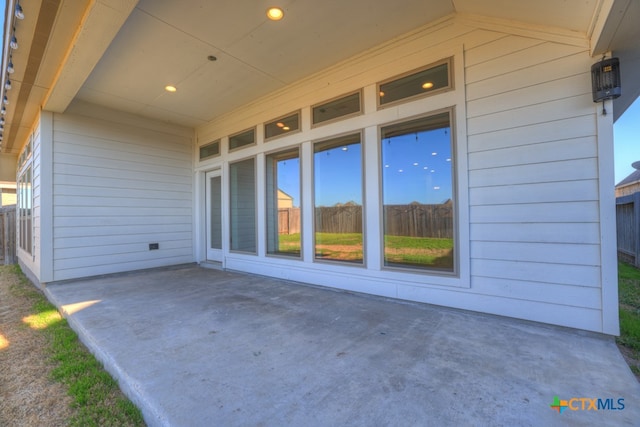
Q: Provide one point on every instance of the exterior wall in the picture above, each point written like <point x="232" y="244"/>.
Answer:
<point x="8" y="193"/>
<point x="8" y="167"/>
<point x="529" y="180"/>
<point x="534" y="189"/>
<point x="627" y="190"/>
<point x="120" y="183"/>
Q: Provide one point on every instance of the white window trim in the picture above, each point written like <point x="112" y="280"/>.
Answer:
<point x="366" y="277"/>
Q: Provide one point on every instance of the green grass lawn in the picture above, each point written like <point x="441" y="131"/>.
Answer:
<point x="629" y="297"/>
<point x="96" y="395"/>
<point x="419" y="251"/>
<point x="405" y="242"/>
<point x="399" y="250"/>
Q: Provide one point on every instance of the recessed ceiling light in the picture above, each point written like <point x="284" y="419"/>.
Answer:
<point x="280" y="124"/>
<point x="170" y="88"/>
<point x="275" y="13"/>
<point x="427" y="85"/>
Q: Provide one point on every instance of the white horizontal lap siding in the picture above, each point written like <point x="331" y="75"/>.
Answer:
<point x="533" y="181"/>
<point x="120" y="185"/>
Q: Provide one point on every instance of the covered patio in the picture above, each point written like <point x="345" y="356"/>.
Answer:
<point x="193" y="346"/>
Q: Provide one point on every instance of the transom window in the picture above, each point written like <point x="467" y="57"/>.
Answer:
<point x="242" y="139"/>
<point x="282" y="126"/>
<point x="418" y="194"/>
<point x="343" y="107"/>
<point x="433" y="79"/>
<point x="210" y="150"/>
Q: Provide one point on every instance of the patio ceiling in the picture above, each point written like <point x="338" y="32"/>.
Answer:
<point x="125" y="52"/>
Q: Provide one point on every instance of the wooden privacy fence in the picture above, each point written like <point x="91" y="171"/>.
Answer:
<point x="414" y="220"/>
<point x="339" y="219"/>
<point x="628" y="228"/>
<point x="288" y="220"/>
<point x="8" y="235"/>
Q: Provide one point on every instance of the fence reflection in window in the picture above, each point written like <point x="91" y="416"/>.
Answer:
<point x="337" y="166"/>
<point x="418" y="197"/>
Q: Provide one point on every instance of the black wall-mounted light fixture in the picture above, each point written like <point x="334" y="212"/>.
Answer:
<point x="605" y="81"/>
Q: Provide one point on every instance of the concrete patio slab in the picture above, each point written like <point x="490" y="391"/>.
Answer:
<point x="199" y="347"/>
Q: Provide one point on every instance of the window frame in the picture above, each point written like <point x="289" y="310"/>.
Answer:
<point x="252" y="144"/>
<point x="293" y="132"/>
<point x="211" y="156"/>
<point x="450" y="76"/>
<point x="361" y="134"/>
<point x="255" y="207"/>
<point x="24" y="204"/>
<point x="283" y="152"/>
<point x="360" y="111"/>
<point x="456" y="272"/>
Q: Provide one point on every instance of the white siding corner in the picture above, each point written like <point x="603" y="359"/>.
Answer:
<point x="120" y="184"/>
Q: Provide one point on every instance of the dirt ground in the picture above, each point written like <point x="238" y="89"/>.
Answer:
<point x="27" y="396"/>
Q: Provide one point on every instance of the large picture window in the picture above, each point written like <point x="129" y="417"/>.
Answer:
<point x="337" y="166"/>
<point x="283" y="203"/>
<point x="418" y="194"/>
<point x="242" y="200"/>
